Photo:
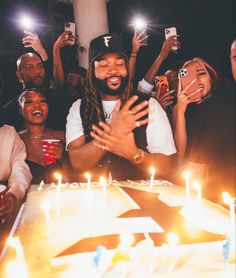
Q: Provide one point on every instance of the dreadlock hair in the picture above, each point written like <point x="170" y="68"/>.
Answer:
<point x="93" y="112"/>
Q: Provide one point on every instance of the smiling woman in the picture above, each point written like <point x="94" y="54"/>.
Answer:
<point x="42" y="158"/>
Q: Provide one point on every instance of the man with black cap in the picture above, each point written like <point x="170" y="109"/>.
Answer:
<point x="130" y="139"/>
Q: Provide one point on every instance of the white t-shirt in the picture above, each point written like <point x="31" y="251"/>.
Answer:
<point x="158" y="133"/>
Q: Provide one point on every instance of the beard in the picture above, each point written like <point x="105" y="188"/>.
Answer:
<point x="101" y="85"/>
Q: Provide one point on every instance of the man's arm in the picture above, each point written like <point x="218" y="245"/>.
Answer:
<point x="166" y="48"/>
<point x="148" y="81"/>
<point x="84" y="156"/>
<point x="136" y="44"/>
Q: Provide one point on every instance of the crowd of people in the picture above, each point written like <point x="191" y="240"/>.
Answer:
<point x="98" y="120"/>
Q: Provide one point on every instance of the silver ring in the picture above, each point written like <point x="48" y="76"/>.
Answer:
<point x="131" y="112"/>
<point x="104" y="147"/>
<point x="137" y="124"/>
<point x="66" y="36"/>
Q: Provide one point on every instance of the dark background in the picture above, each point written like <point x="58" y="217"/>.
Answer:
<point x="206" y="29"/>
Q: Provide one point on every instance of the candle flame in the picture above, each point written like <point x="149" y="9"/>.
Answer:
<point x="103" y="181"/>
<point x="126" y="239"/>
<point x="152" y="171"/>
<point x="226" y="198"/>
<point x="186" y="175"/>
<point x="57" y="176"/>
<point x="196" y="186"/>
<point x="88" y="176"/>
<point x="172" y="239"/>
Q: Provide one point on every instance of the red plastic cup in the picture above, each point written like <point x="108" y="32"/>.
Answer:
<point x="45" y="144"/>
<point x="3" y="190"/>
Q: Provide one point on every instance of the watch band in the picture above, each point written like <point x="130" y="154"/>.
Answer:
<point x="138" y="158"/>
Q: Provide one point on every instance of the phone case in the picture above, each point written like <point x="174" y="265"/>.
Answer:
<point x="138" y="31"/>
<point x="70" y="27"/>
<point x="186" y="77"/>
<point x="171" y="32"/>
<point x="163" y="82"/>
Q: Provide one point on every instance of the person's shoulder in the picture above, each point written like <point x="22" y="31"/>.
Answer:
<point x="76" y="104"/>
<point x="8" y="129"/>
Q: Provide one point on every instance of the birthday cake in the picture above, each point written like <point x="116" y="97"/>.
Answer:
<point x="58" y="227"/>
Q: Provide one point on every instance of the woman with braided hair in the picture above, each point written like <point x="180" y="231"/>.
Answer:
<point x="134" y="143"/>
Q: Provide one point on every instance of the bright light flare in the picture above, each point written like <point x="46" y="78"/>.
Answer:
<point x="186" y="175"/>
<point x="88" y="176"/>
<point x="139" y="24"/>
<point x="172" y="239"/>
<point x="152" y="171"/>
<point x="226" y="198"/>
<point x="196" y="186"/>
<point x="58" y="176"/>
<point x="27" y="22"/>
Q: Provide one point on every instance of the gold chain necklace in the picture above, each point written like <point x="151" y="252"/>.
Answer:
<point x="38" y="136"/>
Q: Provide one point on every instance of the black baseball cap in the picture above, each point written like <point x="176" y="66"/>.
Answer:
<point x="106" y="43"/>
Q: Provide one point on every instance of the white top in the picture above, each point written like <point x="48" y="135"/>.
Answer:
<point x="158" y="133"/>
<point x="12" y="159"/>
<point x="145" y="87"/>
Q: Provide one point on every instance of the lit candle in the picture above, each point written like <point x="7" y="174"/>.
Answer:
<point x="17" y="266"/>
<point x="58" y="196"/>
<point x="172" y="240"/>
<point x="40" y="188"/>
<point x="88" y="178"/>
<point x="187" y="184"/>
<point x="103" y="183"/>
<point x="152" y="171"/>
<point x="198" y="189"/>
<point x="59" y="180"/>
<point x="123" y="249"/>
<point x="229" y="201"/>
<point x="46" y="209"/>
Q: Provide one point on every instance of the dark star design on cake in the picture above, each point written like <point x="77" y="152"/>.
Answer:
<point x="150" y="206"/>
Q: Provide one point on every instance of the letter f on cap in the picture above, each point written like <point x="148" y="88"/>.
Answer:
<point x="106" y="40"/>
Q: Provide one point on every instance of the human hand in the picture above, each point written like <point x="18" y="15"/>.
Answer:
<point x="63" y="40"/>
<point x="183" y="99"/>
<point x="8" y="208"/>
<point x="108" y="139"/>
<point x="126" y="119"/>
<point x="165" y="99"/>
<point x="53" y="150"/>
<point x="168" y="44"/>
<point x="32" y="40"/>
<point x="137" y="41"/>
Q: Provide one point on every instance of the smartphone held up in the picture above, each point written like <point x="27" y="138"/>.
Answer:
<point x="70" y="29"/>
<point x="140" y="26"/>
<point x="169" y="32"/>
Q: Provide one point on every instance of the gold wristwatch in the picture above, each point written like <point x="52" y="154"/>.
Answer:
<point x="138" y="158"/>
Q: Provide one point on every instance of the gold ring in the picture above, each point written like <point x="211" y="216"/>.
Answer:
<point x="131" y="112"/>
